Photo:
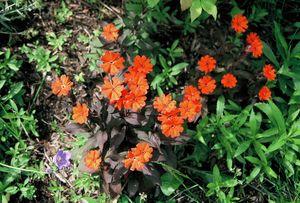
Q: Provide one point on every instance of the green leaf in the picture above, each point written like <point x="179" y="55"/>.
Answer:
<point x="2" y="82"/>
<point x="185" y="4"/>
<point x="274" y="114"/>
<point x="270" y="172"/>
<point x="178" y="68"/>
<point x="242" y="148"/>
<point x="216" y="174"/>
<point x="220" y="105"/>
<point x="152" y="3"/>
<point x="270" y="54"/>
<point x="210" y="7"/>
<point x="170" y="183"/>
<point x="195" y="9"/>
<point x="253" y="174"/>
<point x="281" y="43"/>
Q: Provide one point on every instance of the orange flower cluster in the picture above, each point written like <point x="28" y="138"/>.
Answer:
<point x="229" y="80"/>
<point x="112" y="62"/>
<point x="239" y="23"/>
<point x="264" y="93"/>
<point x="207" y="84"/>
<point x="255" y="45"/>
<point x="171" y="116"/>
<point x="138" y="156"/>
<point x="110" y="32"/>
<point x="269" y="72"/>
<point x="80" y="113"/>
<point x="92" y="160"/>
<point x="131" y="92"/>
<point x="207" y="64"/>
<point x="61" y="86"/>
<point x="191" y="105"/>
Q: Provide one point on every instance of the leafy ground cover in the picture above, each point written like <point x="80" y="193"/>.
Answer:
<point x="149" y="101"/>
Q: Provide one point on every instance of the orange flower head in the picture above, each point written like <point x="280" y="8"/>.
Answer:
<point x="173" y="126"/>
<point x="239" y="23"/>
<point x="255" y="45"/>
<point x="137" y="157"/>
<point x="264" y="93"/>
<point x="229" y="80"/>
<point x="92" y="160"/>
<point x="269" y="72"/>
<point x="164" y="103"/>
<point x="80" y="113"/>
<point x="207" y="84"/>
<point x="252" y="37"/>
<point x="120" y="103"/>
<point x="110" y="32"/>
<point x="134" y="101"/>
<point x="190" y="109"/>
<point x="191" y="93"/>
<point x="136" y="82"/>
<point x="61" y="86"/>
<point x="112" y="62"/>
<point x="207" y="64"/>
<point x="142" y="64"/>
<point x="112" y="89"/>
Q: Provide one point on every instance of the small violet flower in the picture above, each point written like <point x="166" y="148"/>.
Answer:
<point x="62" y="159"/>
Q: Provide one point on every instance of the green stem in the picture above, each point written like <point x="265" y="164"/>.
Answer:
<point x="21" y="169"/>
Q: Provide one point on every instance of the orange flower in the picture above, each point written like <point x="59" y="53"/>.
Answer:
<point x="134" y="101"/>
<point x="164" y="103"/>
<point x="92" y="160"/>
<point x="264" y="93"/>
<point x="142" y="64"/>
<point x="255" y="45"/>
<point x="112" y="89"/>
<point x="137" y="157"/>
<point x="269" y="72"/>
<point x="239" y="23"/>
<point x="112" y="62"/>
<point x="191" y="93"/>
<point x="229" y="80"/>
<point x="252" y="37"/>
<point x="172" y="125"/>
<point x="61" y="86"/>
<point x="136" y="82"/>
<point x="189" y="109"/>
<point x="80" y="113"/>
<point x="110" y="32"/>
<point x="207" y="64"/>
<point x="207" y="85"/>
<point x="120" y="103"/>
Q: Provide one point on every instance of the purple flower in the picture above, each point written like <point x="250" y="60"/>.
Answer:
<point x="62" y="159"/>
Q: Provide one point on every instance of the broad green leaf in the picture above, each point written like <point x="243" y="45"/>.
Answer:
<point x="253" y="174"/>
<point x="270" y="172"/>
<point x="216" y="174"/>
<point x="274" y="114"/>
<point x="2" y="82"/>
<point x="210" y="7"/>
<point x="178" y="68"/>
<point x="253" y="160"/>
<point x="195" y="9"/>
<point x="185" y="4"/>
<point x="296" y="51"/>
<point x="242" y="148"/>
<point x="152" y="3"/>
<point x="220" y="105"/>
<point x="270" y="54"/>
<point x="230" y="183"/>
<point x="282" y="45"/>
<point x="170" y="183"/>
